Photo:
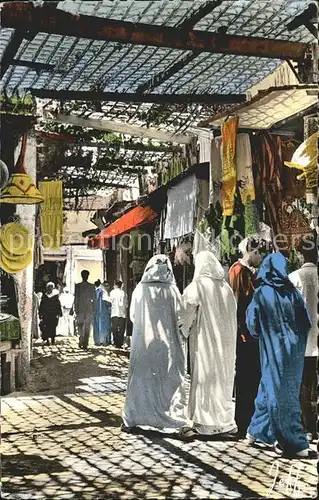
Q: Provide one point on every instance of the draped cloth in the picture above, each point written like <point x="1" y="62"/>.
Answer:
<point x="155" y="392"/>
<point x="267" y="166"/>
<point x="181" y="208"/>
<point x="229" y="178"/>
<point x="278" y="317"/>
<point x="244" y="168"/>
<point x="52" y="214"/>
<point x="216" y="172"/>
<point x="209" y="319"/>
<point x="102" y="319"/>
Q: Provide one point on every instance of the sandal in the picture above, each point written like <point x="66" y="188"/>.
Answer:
<point x="128" y="430"/>
<point x="188" y="433"/>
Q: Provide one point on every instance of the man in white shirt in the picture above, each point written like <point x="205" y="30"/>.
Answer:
<point x="306" y="280"/>
<point x="118" y="313"/>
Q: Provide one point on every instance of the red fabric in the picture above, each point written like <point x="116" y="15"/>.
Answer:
<point x="134" y="218"/>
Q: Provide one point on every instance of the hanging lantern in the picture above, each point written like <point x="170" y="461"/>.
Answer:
<point x="21" y="188"/>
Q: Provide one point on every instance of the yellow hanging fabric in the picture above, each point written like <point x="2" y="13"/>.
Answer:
<point x="229" y="176"/>
<point x="52" y="214"/>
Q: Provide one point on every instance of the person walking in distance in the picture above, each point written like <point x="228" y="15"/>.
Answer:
<point x="49" y="312"/>
<point x="84" y="307"/>
<point x="118" y="313"/>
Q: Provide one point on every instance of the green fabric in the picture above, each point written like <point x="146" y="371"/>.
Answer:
<point x="176" y="167"/>
<point x="215" y="218"/>
<point x="10" y="329"/>
<point x="232" y="232"/>
<point x="251" y="218"/>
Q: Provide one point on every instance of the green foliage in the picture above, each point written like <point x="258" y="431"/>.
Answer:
<point x="18" y="105"/>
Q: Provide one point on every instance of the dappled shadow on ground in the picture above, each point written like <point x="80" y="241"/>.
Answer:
<point x="68" y="445"/>
<point x="59" y="368"/>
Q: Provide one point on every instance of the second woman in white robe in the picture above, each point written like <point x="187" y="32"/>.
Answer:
<point x="155" y="392"/>
<point x="210" y="321"/>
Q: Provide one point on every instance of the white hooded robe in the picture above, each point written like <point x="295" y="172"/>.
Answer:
<point x="210" y="320"/>
<point x="155" y="393"/>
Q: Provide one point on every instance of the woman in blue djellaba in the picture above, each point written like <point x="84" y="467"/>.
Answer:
<point x="102" y="315"/>
<point x="277" y="315"/>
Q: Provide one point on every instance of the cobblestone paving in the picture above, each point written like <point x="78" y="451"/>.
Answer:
<point x="61" y="440"/>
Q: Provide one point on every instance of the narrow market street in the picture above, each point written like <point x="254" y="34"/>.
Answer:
<point x="61" y="439"/>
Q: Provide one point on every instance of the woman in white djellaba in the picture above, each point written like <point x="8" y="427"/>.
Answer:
<point x="210" y="321"/>
<point x="155" y="396"/>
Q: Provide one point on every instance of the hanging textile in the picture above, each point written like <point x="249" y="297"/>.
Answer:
<point x="181" y="208"/>
<point x="232" y="233"/>
<point x="205" y="149"/>
<point x="244" y="168"/>
<point x="183" y="253"/>
<point x="52" y="214"/>
<point x="216" y="172"/>
<point x="267" y="167"/>
<point x="202" y="199"/>
<point x="229" y="178"/>
<point x="251" y="218"/>
<point x="294" y="225"/>
<point x="204" y="239"/>
<point x="38" y="257"/>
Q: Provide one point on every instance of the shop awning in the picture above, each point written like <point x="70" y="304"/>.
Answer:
<point x="269" y="107"/>
<point x="134" y="218"/>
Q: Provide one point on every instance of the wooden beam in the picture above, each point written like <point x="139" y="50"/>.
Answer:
<point x="126" y="170"/>
<point x="10" y="51"/>
<point x="28" y="16"/>
<point x="187" y="24"/>
<point x="33" y="65"/>
<point x="202" y="11"/>
<point x="91" y="184"/>
<point x="122" y="128"/>
<point x="130" y="146"/>
<point x="162" y="77"/>
<point x="84" y="95"/>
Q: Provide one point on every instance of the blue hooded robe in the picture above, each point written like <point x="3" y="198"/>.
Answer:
<point x="102" y="320"/>
<point x="278" y="316"/>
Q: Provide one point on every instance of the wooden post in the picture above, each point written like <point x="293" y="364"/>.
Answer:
<point x="24" y="279"/>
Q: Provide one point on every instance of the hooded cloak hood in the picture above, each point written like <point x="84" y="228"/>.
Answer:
<point x="158" y="270"/>
<point x="207" y="265"/>
<point x="273" y="271"/>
